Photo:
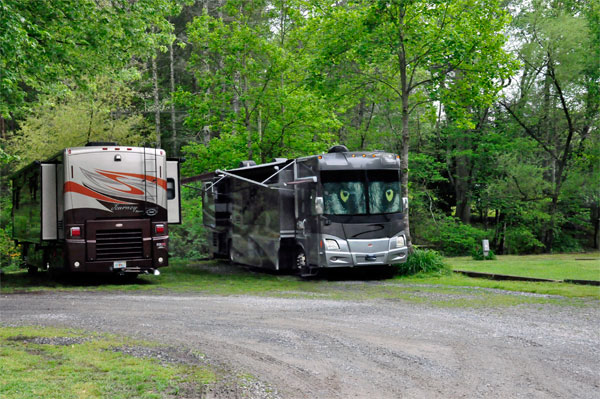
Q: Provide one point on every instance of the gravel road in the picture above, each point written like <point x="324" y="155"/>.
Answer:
<point x="312" y="348"/>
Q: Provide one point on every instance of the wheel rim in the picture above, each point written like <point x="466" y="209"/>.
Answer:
<point x="301" y="260"/>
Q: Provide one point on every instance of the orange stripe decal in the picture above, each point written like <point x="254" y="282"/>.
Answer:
<point x="79" y="189"/>
<point x="114" y="175"/>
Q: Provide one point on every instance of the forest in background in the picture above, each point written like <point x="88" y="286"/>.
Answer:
<point x="492" y="105"/>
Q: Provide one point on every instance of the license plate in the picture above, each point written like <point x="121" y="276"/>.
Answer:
<point x="120" y="264"/>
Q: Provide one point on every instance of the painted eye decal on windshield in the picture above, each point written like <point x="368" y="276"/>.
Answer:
<point x="344" y="195"/>
<point x="389" y="194"/>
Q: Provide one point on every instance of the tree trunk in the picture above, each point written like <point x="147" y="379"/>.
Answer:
<point x="173" y="122"/>
<point x="461" y="188"/>
<point x="156" y="102"/>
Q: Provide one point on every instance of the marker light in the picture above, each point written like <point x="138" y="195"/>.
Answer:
<point x="159" y="228"/>
<point x="75" y="231"/>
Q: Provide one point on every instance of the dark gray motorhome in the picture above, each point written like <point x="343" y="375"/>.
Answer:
<point x="335" y="210"/>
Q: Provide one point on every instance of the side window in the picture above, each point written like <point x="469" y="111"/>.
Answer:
<point x="170" y="188"/>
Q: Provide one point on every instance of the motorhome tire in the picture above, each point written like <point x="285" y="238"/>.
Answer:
<point x="300" y="260"/>
<point x="303" y="266"/>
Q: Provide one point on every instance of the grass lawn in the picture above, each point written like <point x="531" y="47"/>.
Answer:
<point x="217" y="278"/>
<point x="40" y="362"/>
<point x="557" y="266"/>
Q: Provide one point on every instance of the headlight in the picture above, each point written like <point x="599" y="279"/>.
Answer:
<point x="400" y="242"/>
<point x="332" y="244"/>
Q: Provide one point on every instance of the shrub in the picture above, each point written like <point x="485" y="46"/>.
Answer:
<point x="9" y="252"/>
<point x="565" y="242"/>
<point x="188" y="240"/>
<point x="425" y="261"/>
<point x="454" y="238"/>
<point x="477" y="254"/>
<point x="520" y="240"/>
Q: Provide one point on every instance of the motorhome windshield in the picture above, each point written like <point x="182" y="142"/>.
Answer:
<point x="346" y="192"/>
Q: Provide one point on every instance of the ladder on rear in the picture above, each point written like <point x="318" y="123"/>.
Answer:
<point x="150" y="181"/>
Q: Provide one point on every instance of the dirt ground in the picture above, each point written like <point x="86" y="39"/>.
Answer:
<point x="312" y="348"/>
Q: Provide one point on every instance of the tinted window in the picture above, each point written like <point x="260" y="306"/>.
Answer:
<point x="344" y="193"/>
<point x="384" y="191"/>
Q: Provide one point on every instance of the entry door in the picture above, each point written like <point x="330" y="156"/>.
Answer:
<point x="308" y="227"/>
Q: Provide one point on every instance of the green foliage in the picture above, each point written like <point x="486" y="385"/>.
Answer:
<point x="188" y="240"/>
<point x="72" y="118"/>
<point x="477" y="254"/>
<point x="224" y="152"/>
<point x="44" y="43"/>
<point x="423" y="261"/>
<point x="9" y="252"/>
<point x="454" y="238"/>
<point x="521" y="240"/>
<point x="566" y="243"/>
<point x="251" y="101"/>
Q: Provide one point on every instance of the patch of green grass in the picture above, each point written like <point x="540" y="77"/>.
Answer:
<point x="217" y="278"/>
<point x="555" y="266"/>
<point x="542" y="288"/>
<point x="40" y="362"/>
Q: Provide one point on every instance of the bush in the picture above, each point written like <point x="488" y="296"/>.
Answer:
<point x="9" y="252"/>
<point x="520" y="240"/>
<point x="565" y="242"/>
<point x="188" y="240"/>
<point x="425" y="261"/>
<point x="454" y="238"/>
<point x="477" y="254"/>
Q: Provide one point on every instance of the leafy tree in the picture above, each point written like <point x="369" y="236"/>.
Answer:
<point x="101" y="112"/>
<point x="419" y="51"/>
<point x="557" y="97"/>
<point x="250" y="89"/>
<point x="43" y="42"/>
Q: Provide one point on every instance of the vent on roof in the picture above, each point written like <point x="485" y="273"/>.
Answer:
<point x="338" y="148"/>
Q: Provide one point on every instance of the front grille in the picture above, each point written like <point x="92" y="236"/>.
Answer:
<point x="119" y="244"/>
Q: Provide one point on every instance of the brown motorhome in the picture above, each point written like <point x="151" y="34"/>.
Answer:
<point x="101" y="208"/>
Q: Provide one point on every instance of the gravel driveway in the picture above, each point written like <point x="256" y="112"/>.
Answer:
<point x="311" y="348"/>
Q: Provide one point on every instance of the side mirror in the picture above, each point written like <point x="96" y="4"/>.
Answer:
<point x="319" y="205"/>
<point x="404" y="203"/>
